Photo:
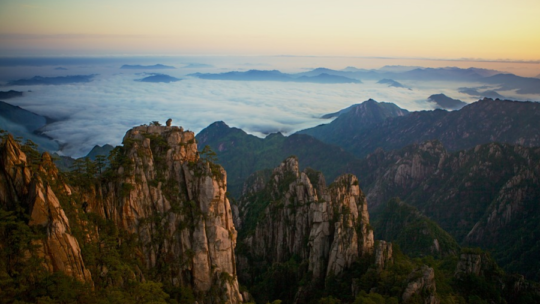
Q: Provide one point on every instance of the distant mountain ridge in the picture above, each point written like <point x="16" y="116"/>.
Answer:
<point x="351" y="121"/>
<point x="10" y="94"/>
<point x="25" y="124"/>
<point x="504" y="81"/>
<point x="391" y="83"/>
<point x="146" y="67"/>
<point x="474" y="92"/>
<point x="445" y="102"/>
<point x="36" y="80"/>
<point x="477" y="123"/>
<point x="275" y="75"/>
<point x="159" y="78"/>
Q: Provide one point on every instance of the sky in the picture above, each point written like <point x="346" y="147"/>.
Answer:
<point x="479" y="29"/>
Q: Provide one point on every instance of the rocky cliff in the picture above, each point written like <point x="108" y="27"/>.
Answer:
<point x="175" y="202"/>
<point x="26" y="190"/>
<point x="295" y="217"/>
<point x="485" y="196"/>
<point x="421" y="280"/>
<point x="161" y="205"/>
<point x="476" y="270"/>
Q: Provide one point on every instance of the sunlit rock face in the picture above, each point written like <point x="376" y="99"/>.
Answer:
<point x="27" y="187"/>
<point x="159" y="190"/>
<point x="298" y="215"/>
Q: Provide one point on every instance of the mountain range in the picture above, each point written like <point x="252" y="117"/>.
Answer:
<point x="503" y="81"/>
<point x="146" y="67"/>
<point x="10" y="94"/>
<point x="381" y="205"/>
<point x="26" y="125"/>
<point x="274" y="75"/>
<point x="481" y="122"/>
<point x="458" y="188"/>
<point x="59" y="80"/>
<point x="156" y="226"/>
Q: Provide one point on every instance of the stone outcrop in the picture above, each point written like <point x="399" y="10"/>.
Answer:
<point x="383" y="254"/>
<point x="480" y="264"/>
<point x="401" y="171"/>
<point x="474" y="195"/>
<point x="474" y="263"/>
<point x="421" y="281"/>
<point x="328" y="227"/>
<point x="174" y="199"/>
<point x="159" y="191"/>
<point x="22" y="186"/>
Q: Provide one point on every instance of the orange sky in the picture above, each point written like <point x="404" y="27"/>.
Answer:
<point x="495" y="29"/>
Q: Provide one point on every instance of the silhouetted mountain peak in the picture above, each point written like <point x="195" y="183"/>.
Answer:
<point x="219" y="124"/>
<point x="446" y="102"/>
<point x="391" y="83"/>
<point x="156" y="78"/>
<point x="146" y="67"/>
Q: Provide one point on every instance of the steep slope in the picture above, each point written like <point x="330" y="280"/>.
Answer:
<point x="484" y="197"/>
<point x="242" y="154"/>
<point x="481" y="122"/>
<point x="300" y="241"/>
<point x="158" y="214"/>
<point x="295" y="218"/>
<point x="478" y="277"/>
<point x="156" y="227"/>
<point x="27" y="198"/>
<point x="175" y="202"/>
<point x="416" y="234"/>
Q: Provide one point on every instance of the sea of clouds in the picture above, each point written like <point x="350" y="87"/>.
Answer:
<point x="101" y="111"/>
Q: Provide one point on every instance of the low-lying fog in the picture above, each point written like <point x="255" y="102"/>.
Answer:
<point x="101" y="111"/>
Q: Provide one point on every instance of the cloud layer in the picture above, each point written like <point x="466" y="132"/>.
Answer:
<point x="101" y="111"/>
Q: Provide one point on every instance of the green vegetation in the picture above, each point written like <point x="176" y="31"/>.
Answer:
<point x="116" y="258"/>
<point x="241" y="154"/>
<point x="416" y="235"/>
<point x="279" y="281"/>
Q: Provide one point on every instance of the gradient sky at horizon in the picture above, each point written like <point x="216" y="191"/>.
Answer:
<point x="480" y="29"/>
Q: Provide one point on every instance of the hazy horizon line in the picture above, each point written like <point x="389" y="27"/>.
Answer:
<point x="111" y="56"/>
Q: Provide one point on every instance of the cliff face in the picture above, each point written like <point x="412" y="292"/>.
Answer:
<point x="475" y="266"/>
<point x="421" y="280"/>
<point x="297" y="217"/>
<point x="485" y="196"/>
<point x="24" y="188"/>
<point x="175" y="202"/>
<point x="159" y="193"/>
